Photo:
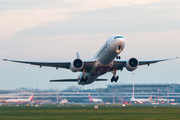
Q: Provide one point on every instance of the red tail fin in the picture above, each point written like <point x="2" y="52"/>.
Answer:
<point x="90" y="98"/>
<point x="31" y="98"/>
<point x="150" y="98"/>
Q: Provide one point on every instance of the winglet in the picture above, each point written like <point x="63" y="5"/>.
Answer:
<point x="77" y="55"/>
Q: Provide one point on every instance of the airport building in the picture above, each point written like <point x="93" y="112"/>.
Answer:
<point x="111" y="94"/>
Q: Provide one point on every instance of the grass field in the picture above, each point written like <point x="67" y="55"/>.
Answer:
<point x="77" y="113"/>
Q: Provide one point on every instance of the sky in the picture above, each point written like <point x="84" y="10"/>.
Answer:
<point x="46" y="30"/>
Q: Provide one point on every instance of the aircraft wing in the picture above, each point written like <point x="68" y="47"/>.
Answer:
<point x="138" y="101"/>
<point x="87" y="64"/>
<point x="148" y="62"/>
<point x="120" y="64"/>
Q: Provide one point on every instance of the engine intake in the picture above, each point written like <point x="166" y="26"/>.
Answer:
<point x="132" y="64"/>
<point x="76" y="65"/>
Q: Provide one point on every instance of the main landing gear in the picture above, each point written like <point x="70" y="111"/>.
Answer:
<point x="84" y="78"/>
<point x="114" y="78"/>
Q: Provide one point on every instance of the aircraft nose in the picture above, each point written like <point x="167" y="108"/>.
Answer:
<point x="120" y="45"/>
<point x="121" y="42"/>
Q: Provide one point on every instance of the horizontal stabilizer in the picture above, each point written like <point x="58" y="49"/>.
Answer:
<point x="64" y="80"/>
<point x="101" y="79"/>
<point x="73" y="80"/>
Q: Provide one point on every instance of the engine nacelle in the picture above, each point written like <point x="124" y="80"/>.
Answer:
<point x="132" y="64"/>
<point x="76" y="65"/>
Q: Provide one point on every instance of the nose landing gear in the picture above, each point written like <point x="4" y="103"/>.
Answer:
<point x="114" y="78"/>
<point x="118" y="57"/>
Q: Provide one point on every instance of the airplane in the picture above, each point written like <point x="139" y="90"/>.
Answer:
<point x="162" y="100"/>
<point x="141" y="101"/>
<point x="29" y="100"/>
<point x="165" y="100"/>
<point x="94" y="100"/>
<point x="103" y="61"/>
<point x="64" y="101"/>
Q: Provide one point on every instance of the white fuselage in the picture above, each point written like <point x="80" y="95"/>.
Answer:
<point x="144" y="100"/>
<point x="162" y="100"/>
<point x="96" y="100"/>
<point x="18" y="100"/>
<point x="140" y="100"/>
<point x="104" y="59"/>
<point x="64" y="101"/>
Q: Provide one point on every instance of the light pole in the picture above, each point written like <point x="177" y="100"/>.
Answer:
<point x="133" y="86"/>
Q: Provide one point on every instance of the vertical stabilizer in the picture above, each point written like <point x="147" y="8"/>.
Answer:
<point x="150" y="98"/>
<point x="77" y="55"/>
<point x="31" y="98"/>
<point x="90" y="98"/>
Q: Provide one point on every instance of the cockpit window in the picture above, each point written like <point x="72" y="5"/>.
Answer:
<point x="118" y="37"/>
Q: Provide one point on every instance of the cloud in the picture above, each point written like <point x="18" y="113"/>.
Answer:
<point x="137" y="18"/>
<point x="64" y="17"/>
<point x="47" y="30"/>
<point x="78" y="4"/>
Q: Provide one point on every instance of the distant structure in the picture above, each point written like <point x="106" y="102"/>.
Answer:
<point x="143" y="88"/>
<point x="111" y="94"/>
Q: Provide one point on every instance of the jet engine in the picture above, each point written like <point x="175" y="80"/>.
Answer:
<point x="132" y="64"/>
<point x="76" y="65"/>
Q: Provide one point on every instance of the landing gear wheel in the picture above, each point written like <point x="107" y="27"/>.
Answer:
<point x="115" y="79"/>
<point x="118" y="57"/>
<point x="84" y="79"/>
<point x="112" y="80"/>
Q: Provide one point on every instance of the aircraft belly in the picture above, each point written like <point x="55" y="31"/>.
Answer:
<point x="94" y="74"/>
<point x="91" y="79"/>
<point x="100" y="70"/>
